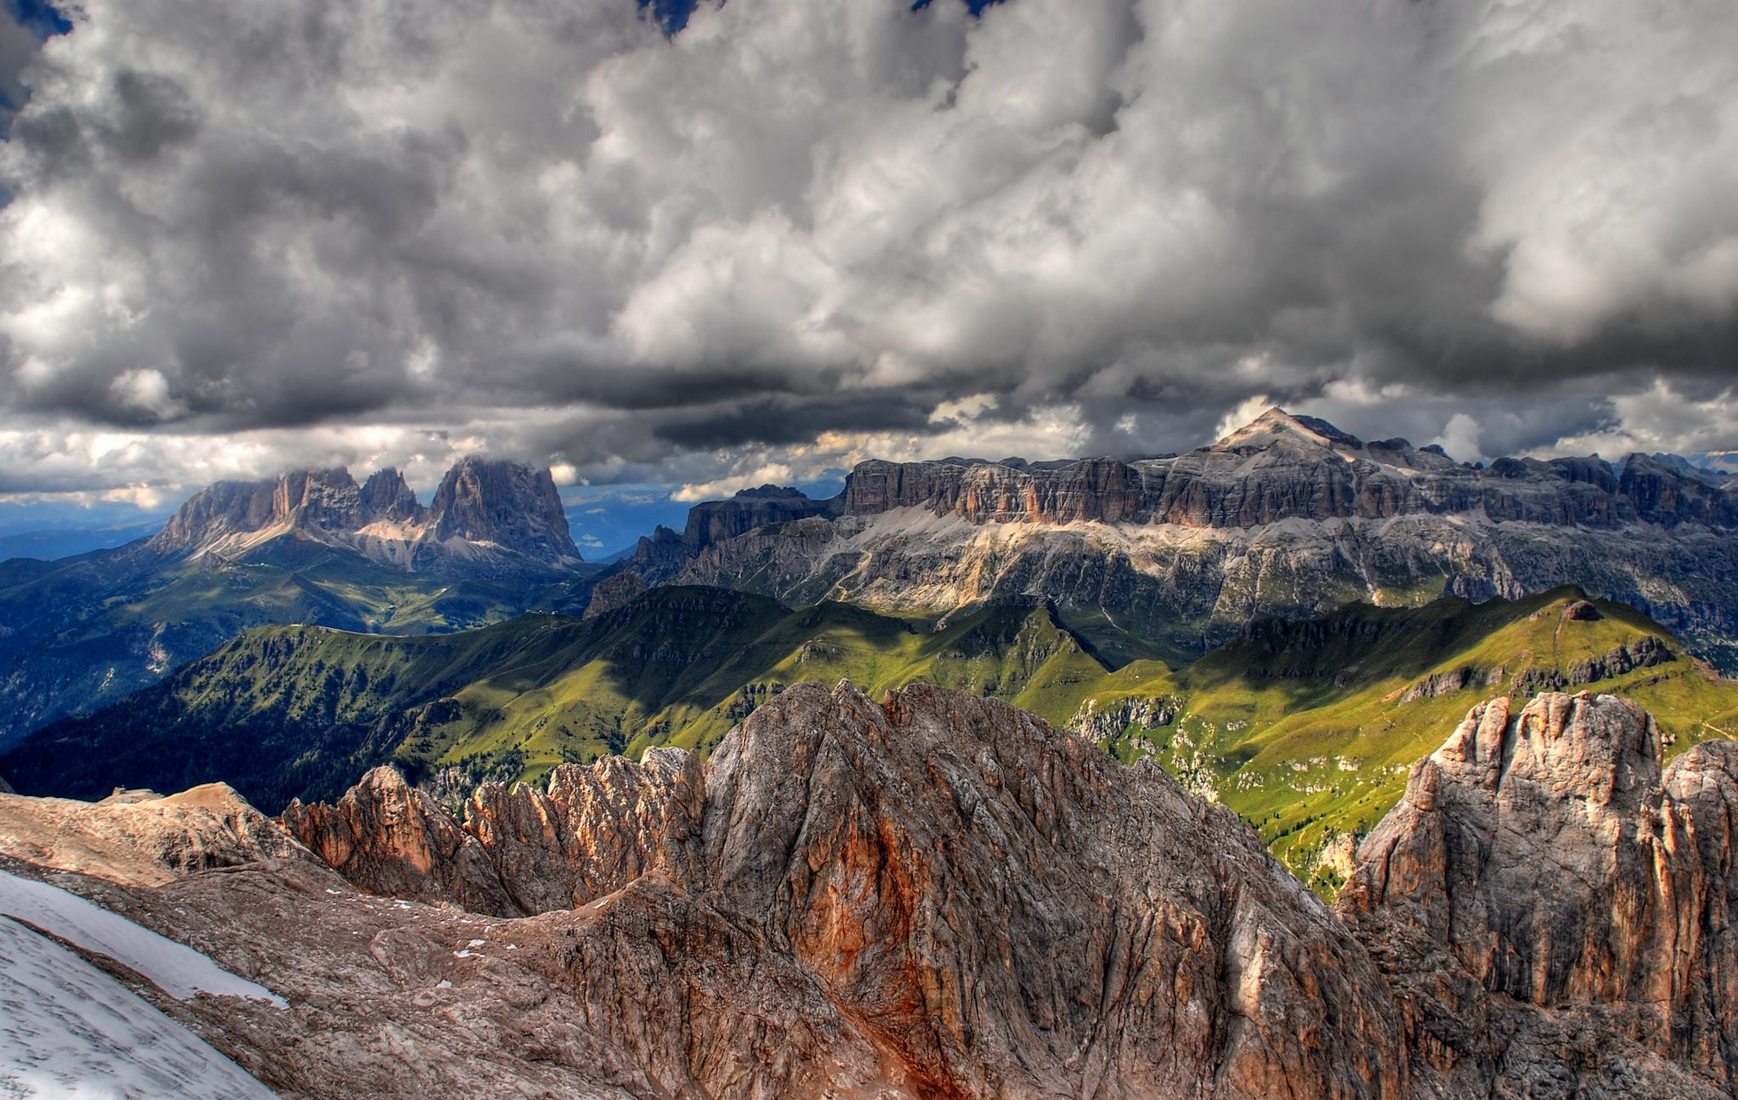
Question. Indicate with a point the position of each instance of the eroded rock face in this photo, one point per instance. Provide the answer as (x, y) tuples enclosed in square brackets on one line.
[(502, 504), (141, 837), (940, 896), (958, 896), (1541, 878), (391, 838)]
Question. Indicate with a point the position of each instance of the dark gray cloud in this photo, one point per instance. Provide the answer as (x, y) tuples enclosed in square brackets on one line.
[(798, 233)]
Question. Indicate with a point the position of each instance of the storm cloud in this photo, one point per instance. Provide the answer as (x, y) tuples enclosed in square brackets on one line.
[(798, 233)]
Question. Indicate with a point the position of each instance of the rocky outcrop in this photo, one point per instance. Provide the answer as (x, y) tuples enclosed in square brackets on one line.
[(312, 500), (1446, 683), (937, 896), (1101, 723), (1648, 651), (718, 521), (614, 593), (140, 837), (518, 851), (1553, 908), (484, 512), (1287, 516), (390, 838), (940, 896), (1283, 467)]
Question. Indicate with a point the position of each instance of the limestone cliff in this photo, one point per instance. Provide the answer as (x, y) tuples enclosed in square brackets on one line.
[(485, 514), (1286, 516)]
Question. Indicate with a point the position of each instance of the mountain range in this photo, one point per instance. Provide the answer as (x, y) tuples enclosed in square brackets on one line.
[(1289, 516), (1304, 728), (1053, 584), (979, 779), (1158, 558), (486, 518)]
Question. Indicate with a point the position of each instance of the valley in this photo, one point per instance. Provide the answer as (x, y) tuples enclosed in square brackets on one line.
[(1305, 729)]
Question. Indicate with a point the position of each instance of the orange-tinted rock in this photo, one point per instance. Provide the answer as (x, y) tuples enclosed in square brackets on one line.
[(976, 903), (141, 837)]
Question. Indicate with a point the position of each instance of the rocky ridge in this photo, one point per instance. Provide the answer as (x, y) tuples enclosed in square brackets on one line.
[(939, 895), (963, 902), (484, 512), (1287, 515), (140, 836)]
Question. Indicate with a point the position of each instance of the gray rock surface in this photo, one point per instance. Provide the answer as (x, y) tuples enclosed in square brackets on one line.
[(1554, 910), (940, 896), (954, 893), (1286, 516)]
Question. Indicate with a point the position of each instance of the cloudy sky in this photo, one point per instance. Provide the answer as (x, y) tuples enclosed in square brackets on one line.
[(797, 233)]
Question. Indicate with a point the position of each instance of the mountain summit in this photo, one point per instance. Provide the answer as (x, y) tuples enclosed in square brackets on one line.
[(486, 512)]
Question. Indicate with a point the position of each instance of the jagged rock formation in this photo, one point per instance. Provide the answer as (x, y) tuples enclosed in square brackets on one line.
[(940, 896), (484, 513), (1288, 516), (138, 836), (1648, 651), (956, 900), (1555, 910), (614, 593)]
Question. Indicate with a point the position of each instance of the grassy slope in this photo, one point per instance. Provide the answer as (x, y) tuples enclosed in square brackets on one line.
[(286, 711), (91, 630), (1305, 731)]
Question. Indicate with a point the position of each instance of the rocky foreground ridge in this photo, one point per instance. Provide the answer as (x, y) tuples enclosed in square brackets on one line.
[(1544, 886), (485, 512), (939, 895), (1288, 515)]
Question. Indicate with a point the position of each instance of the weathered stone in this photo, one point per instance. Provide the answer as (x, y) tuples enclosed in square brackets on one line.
[(486, 515), (1287, 516), (141, 837), (1541, 878), (983, 906), (941, 896)]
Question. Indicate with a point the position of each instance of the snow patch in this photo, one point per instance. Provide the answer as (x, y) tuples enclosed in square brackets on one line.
[(174, 968), (67, 1030)]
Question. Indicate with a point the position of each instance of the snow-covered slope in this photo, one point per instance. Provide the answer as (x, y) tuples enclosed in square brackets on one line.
[(177, 970), (67, 1030)]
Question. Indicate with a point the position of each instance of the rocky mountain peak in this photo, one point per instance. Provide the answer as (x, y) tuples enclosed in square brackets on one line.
[(505, 503), (387, 498), (1276, 426), (935, 895), (483, 509), (1595, 748), (1541, 870), (1289, 515)]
